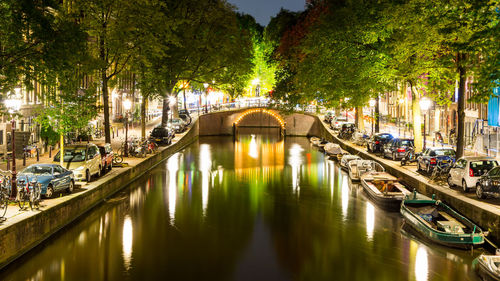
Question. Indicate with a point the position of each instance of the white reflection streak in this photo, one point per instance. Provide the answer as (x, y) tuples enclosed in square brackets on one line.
[(127, 237), (332, 178), (220, 169), (172, 167), (295, 160), (205, 166), (345, 197), (421, 265), (370, 220), (253, 150)]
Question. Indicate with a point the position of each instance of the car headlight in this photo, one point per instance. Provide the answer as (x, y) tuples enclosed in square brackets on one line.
[(79, 168)]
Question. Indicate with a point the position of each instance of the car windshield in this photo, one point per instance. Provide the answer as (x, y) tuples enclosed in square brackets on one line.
[(444, 152), (176, 121), (480, 167), (37, 170), (341, 118), (384, 136), (406, 143), (72, 155)]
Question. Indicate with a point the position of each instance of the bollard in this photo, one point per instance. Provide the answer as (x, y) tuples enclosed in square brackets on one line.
[(37, 155), (24, 157)]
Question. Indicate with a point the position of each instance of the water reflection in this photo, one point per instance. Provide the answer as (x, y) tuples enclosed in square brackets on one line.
[(172, 168), (421, 264), (127, 237), (370, 220), (295, 160), (205, 168)]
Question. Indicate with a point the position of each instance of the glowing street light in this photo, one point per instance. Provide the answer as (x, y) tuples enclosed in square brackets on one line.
[(425, 104)]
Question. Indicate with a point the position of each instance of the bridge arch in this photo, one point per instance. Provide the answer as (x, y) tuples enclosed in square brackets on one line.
[(271, 113)]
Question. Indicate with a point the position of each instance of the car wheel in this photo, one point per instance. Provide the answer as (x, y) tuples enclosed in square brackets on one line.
[(464, 186), (479, 191), (88, 176), (70, 187), (50, 191), (449, 181), (394, 156)]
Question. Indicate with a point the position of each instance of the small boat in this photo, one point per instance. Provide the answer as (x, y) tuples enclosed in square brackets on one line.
[(488, 267), (322, 144), (333, 149), (315, 141), (356, 168), (439, 223), (346, 159), (384, 190)]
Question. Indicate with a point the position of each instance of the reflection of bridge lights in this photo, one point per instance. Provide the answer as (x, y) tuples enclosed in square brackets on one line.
[(345, 197), (421, 265), (172, 167), (127, 237), (295, 160), (253, 150), (269, 112), (370, 220)]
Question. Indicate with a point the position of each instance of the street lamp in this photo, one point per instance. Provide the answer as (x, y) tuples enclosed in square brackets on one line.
[(372, 104), (13, 105), (425, 104), (205, 85), (127, 105)]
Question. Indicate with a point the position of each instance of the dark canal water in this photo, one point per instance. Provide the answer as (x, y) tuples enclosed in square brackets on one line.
[(257, 209)]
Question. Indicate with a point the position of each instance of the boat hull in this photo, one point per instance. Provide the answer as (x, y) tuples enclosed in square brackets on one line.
[(460, 241), (392, 204), (482, 270)]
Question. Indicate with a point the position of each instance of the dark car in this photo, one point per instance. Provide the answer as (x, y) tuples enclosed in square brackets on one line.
[(429, 158), (376, 142), (52, 177), (489, 184), (162, 135), (397, 148)]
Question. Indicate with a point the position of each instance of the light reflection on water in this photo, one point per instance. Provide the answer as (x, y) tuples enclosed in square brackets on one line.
[(261, 208)]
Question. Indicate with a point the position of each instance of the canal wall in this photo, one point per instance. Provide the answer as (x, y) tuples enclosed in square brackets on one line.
[(221, 123), (18, 236), (483, 214)]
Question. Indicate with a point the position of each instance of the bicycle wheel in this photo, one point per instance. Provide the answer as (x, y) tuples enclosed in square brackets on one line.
[(21, 200), (118, 159), (4, 203), (31, 196)]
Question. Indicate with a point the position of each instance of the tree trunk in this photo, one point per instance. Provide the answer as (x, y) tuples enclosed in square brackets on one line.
[(105, 98), (175, 106), (461, 106), (166, 108), (377, 114), (417, 118), (360, 124), (143, 117)]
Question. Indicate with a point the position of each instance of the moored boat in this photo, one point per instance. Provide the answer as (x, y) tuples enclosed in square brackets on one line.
[(384, 190), (356, 168), (315, 140), (488, 267), (346, 159), (439, 223), (333, 149)]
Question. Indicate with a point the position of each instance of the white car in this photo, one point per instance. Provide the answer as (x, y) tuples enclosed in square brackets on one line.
[(467, 171), (337, 122)]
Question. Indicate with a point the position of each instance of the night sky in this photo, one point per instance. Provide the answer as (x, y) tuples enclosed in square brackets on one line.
[(263, 10)]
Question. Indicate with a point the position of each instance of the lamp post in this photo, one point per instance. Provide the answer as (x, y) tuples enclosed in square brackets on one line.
[(205, 85), (13, 105), (425, 104), (127, 104), (372, 104)]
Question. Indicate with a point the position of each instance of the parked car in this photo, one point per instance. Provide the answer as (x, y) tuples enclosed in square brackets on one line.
[(83, 159), (489, 184), (162, 135), (177, 124), (329, 116), (107, 155), (337, 121), (468, 170), (52, 178), (377, 142), (429, 158), (397, 148)]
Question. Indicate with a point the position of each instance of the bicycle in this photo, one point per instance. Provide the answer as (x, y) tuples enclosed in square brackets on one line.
[(117, 159), (440, 170), (5, 186), (409, 157), (29, 192)]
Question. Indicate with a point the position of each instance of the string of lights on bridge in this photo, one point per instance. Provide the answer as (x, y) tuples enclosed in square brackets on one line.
[(269, 112)]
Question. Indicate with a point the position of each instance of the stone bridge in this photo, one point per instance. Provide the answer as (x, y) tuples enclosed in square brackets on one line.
[(229, 122)]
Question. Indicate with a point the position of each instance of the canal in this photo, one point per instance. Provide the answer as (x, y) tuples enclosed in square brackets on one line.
[(257, 209)]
